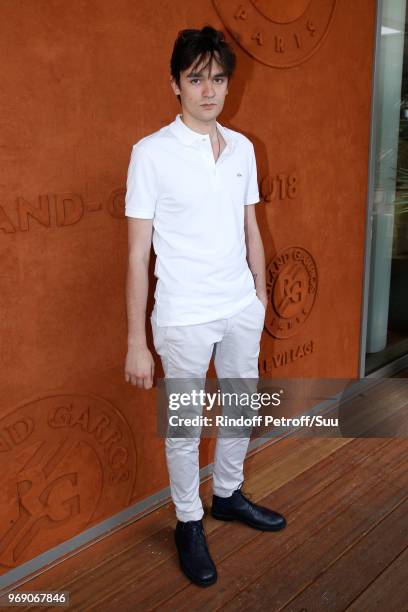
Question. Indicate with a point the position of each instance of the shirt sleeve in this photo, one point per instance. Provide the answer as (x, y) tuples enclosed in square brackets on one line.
[(252, 192), (141, 185)]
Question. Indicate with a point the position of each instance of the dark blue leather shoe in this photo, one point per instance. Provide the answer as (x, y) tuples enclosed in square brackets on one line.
[(237, 507), (195, 560)]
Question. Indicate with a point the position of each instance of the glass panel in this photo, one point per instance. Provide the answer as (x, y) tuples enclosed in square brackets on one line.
[(387, 325)]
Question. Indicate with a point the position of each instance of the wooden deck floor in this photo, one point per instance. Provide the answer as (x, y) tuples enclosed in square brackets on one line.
[(345, 546)]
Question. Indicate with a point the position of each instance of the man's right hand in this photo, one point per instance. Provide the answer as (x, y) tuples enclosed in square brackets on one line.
[(139, 367)]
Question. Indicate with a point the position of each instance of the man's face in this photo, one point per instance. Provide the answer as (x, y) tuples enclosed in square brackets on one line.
[(202, 91)]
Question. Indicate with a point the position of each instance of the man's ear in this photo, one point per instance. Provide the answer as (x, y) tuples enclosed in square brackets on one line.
[(174, 86)]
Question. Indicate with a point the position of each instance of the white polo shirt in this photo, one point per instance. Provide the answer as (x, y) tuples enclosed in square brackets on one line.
[(197, 207)]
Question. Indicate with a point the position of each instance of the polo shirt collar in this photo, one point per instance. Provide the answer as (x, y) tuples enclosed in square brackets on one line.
[(191, 137)]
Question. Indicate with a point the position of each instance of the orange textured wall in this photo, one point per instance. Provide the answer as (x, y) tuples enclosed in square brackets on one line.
[(81, 82)]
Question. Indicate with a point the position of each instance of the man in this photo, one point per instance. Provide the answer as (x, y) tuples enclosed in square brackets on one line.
[(195, 182)]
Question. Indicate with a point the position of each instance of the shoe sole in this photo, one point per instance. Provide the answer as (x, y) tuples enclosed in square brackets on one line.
[(220, 517)]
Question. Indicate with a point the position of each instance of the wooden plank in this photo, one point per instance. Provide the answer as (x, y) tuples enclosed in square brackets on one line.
[(277, 585), (388, 592), (150, 533), (315, 499), (376, 412), (296, 554), (361, 563)]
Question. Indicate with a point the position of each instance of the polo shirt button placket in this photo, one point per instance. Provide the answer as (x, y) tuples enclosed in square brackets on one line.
[(214, 169), (211, 160), (216, 176), (217, 170)]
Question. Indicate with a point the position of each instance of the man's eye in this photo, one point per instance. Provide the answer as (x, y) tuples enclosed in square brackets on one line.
[(193, 80), (220, 80)]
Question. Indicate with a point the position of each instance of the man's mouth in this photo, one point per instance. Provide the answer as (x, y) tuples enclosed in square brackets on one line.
[(208, 104)]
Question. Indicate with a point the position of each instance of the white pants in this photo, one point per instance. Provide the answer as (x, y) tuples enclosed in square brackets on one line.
[(185, 352)]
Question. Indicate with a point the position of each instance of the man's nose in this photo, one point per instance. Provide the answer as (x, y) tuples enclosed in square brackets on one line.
[(209, 89)]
